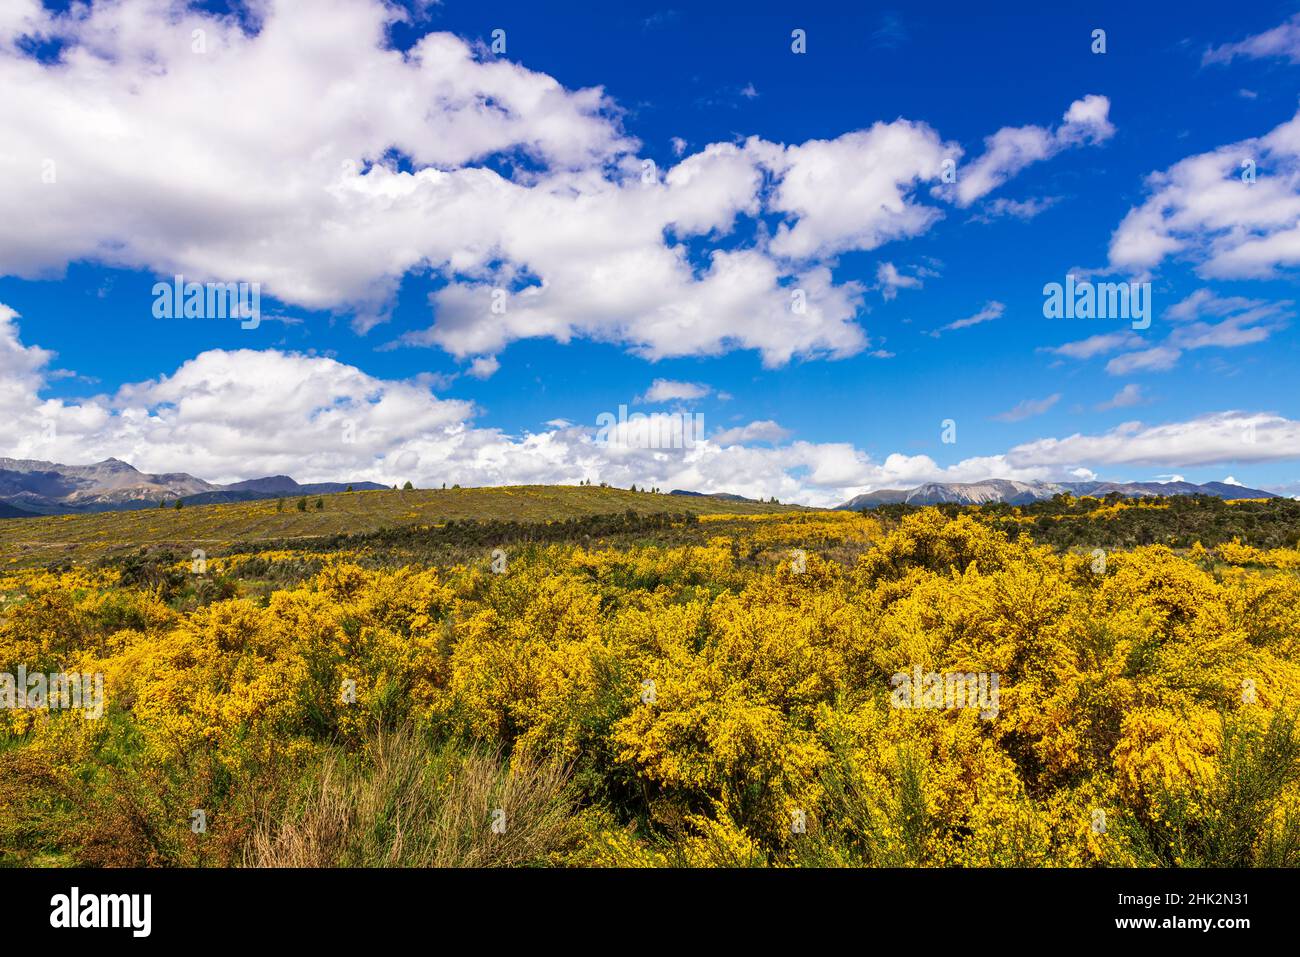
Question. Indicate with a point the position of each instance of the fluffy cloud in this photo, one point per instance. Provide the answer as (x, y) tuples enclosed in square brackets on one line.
[(662, 309), (1206, 440), (484, 367), (22, 368), (855, 192), (330, 207), (669, 390), (858, 191), (309, 416), (442, 158), (1234, 211), (1281, 41), (889, 280), (1011, 149), (153, 168), (232, 415)]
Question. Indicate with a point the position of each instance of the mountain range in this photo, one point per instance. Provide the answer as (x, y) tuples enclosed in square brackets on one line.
[(30, 487), (1023, 493), (726, 496)]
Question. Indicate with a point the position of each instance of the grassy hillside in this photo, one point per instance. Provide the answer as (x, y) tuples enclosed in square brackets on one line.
[(76, 538)]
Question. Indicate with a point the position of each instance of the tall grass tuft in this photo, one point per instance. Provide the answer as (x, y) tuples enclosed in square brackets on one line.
[(408, 803)]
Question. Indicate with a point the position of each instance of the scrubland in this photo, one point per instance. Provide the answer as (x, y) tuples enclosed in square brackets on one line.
[(656, 690)]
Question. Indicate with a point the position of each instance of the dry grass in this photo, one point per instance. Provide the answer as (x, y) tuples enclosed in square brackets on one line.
[(408, 804)]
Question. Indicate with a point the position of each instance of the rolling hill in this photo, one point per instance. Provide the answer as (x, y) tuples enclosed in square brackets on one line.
[(30, 541)]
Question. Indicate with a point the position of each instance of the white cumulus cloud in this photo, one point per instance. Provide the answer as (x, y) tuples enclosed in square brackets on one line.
[(1234, 211)]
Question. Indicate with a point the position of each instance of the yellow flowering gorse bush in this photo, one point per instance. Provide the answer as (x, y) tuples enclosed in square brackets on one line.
[(703, 698)]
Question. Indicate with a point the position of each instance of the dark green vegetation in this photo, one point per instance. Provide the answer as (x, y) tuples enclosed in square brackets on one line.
[(271, 563), (492, 533), (1177, 521)]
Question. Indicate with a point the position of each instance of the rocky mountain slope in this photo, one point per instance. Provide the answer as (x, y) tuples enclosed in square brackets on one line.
[(1022, 493), (28, 486)]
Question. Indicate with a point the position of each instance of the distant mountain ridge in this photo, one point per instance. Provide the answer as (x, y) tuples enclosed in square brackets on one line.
[(1023, 493), (726, 496), (30, 487), (33, 487)]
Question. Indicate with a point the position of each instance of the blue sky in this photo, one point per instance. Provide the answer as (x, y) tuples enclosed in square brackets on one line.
[(816, 170)]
